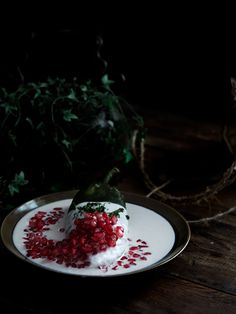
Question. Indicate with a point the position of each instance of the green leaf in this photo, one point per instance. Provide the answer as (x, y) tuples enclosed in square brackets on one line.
[(12, 137), (127, 155), (84, 88), (66, 143), (43, 85), (29, 120), (106, 82), (37, 93), (40, 125), (63, 114), (72, 95), (9, 108), (68, 115), (19, 180), (13, 189)]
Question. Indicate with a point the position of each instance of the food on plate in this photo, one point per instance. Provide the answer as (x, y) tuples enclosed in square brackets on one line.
[(97, 223), (93, 232)]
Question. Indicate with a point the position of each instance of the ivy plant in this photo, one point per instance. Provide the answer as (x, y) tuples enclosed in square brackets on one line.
[(57, 134)]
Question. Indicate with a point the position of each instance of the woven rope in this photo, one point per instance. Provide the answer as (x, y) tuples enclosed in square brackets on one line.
[(228, 177)]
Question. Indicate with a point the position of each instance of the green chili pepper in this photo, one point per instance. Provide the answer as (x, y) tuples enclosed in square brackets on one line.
[(99, 192)]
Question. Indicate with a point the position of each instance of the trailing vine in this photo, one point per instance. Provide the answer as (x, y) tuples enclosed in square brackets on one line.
[(227, 178), (56, 134)]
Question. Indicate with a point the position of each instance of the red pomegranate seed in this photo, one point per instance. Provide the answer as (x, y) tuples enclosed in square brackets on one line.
[(126, 266), (108, 229), (98, 235), (115, 267), (114, 220), (111, 243), (74, 251), (103, 247), (105, 216), (143, 258), (57, 208), (136, 255), (119, 231), (147, 253), (133, 248), (123, 258), (74, 242), (92, 234), (101, 223), (65, 250)]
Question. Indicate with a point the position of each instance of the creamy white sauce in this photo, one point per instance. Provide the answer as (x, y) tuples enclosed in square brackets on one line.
[(112, 254)]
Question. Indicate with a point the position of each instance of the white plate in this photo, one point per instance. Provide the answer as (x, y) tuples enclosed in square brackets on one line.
[(164, 231)]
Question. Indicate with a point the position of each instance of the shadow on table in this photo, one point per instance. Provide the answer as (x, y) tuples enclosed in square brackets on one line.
[(34, 290)]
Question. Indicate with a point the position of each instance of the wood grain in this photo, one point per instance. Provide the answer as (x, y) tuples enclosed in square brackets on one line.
[(202, 279), (37, 291), (210, 258)]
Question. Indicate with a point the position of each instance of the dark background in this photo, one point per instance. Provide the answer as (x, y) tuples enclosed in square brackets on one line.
[(172, 62), (176, 63)]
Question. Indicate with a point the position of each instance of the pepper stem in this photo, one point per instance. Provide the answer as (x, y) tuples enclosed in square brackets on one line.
[(110, 174)]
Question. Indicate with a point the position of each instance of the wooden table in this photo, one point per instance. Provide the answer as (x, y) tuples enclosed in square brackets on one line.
[(202, 279)]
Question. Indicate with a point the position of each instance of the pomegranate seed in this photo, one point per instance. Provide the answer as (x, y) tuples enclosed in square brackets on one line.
[(65, 250), (103, 247), (111, 243), (115, 267), (119, 231), (143, 258), (126, 266), (123, 258), (133, 248), (98, 236), (105, 216), (108, 229), (74, 242), (93, 233), (114, 220), (55, 252), (147, 253), (74, 251), (101, 223), (87, 248), (93, 223), (136, 255), (90, 215)]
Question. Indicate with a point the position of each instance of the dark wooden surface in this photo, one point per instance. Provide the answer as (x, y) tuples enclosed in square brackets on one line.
[(202, 279)]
